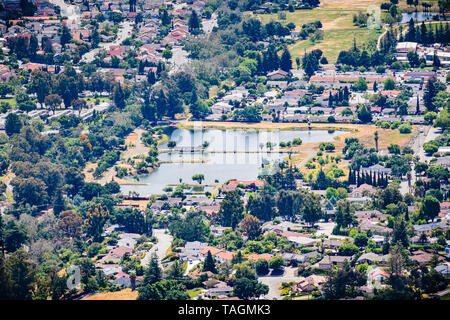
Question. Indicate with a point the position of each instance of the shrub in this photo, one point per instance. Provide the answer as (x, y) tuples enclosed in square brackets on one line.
[(405, 128)]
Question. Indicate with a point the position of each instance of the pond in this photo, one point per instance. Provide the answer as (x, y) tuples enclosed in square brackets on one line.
[(226, 154), (421, 16)]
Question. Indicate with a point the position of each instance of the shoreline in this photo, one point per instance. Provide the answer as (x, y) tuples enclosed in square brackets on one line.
[(300, 126)]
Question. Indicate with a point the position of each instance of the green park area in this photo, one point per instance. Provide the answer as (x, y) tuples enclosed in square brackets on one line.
[(337, 26)]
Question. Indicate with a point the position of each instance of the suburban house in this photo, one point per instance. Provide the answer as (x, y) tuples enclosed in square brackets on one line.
[(191, 251), (310, 283), (277, 74), (328, 262)]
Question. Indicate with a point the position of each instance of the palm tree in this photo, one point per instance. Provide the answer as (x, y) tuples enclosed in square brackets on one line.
[(376, 140)]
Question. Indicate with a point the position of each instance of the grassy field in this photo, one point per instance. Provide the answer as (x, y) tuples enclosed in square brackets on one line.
[(363, 4), (334, 41), (337, 24), (125, 294), (11, 101)]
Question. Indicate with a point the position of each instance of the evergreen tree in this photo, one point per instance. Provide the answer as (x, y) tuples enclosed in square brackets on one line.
[(417, 106), (58, 203), (429, 95), (411, 33), (209, 264), (286, 61), (194, 23), (231, 210), (119, 96), (153, 273)]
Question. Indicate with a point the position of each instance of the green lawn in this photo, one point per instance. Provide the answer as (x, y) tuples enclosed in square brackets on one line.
[(193, 293), (337, 25), (101, 99), (11, 101), (334, 41)]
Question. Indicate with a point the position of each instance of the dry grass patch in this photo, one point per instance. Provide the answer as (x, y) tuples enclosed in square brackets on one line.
[(125, 294)]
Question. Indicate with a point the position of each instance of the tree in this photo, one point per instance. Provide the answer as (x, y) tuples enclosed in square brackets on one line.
[(430, 207), (91, 190), (32, 191), (231, 209), (262, 206), (58, 203), (199, 109), (443, 121), (198, 177), (167, 53), (13, 124), (14, 236), (192, 228), (210, 263), (286, 60), (176, 271), (311, 208), (69, 224), (430, 116), (348, 249), (389, 84), (342, 282), (19, 276), (361, 240), (79, 104), (344, 214), (5, 89), (310, 64), (251, 226), (400, 233), (376, 140), (153, 273), (96, 217), (262, 267), (53, 101), (276, 263), (430, 93), (248, 286), (360, 84), (119, 96), (65, 35), (163, 290), (194, 23), (364, 114)]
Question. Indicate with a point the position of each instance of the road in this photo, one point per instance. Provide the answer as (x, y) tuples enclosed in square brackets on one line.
[(124, 32), (164, 242), (429, 133), (179, 59)]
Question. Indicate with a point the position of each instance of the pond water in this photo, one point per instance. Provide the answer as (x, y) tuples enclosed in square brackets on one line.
[(228, 154), (421, 16)]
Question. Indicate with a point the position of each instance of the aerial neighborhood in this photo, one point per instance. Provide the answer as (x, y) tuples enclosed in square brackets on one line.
[(224, 150)]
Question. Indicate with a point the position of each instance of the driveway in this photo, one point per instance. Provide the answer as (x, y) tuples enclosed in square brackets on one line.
[(164, 242), (274, 282)]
